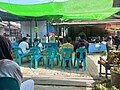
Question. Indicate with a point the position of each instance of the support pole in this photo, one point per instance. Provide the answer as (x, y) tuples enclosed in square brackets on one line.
[(36, 26), (47, 24), (30, 33)]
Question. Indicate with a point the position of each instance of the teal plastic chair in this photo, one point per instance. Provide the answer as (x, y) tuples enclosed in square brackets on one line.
[(19, 55), (81, 54), (35, 56), (32, 56), (57, 53), (67, 56), (38, 56), (50, 56), (9, 83)]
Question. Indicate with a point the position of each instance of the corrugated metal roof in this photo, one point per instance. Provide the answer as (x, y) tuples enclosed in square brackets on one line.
[(10, 17), (88, 22)]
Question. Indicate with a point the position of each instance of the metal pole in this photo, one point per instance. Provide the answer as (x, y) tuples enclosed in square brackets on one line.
[(36, 26), (63, 32), (47, 29), (30, 33), (58, 34)]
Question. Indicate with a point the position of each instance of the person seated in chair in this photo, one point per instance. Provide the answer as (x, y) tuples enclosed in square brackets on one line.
[(81, 44), (24, 45), (67, 45), (9, 68)]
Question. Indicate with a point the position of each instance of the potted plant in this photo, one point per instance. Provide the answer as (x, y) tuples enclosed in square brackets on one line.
[(115, 70)]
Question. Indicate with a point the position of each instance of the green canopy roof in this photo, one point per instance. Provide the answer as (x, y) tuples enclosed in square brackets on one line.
[(68, 9)]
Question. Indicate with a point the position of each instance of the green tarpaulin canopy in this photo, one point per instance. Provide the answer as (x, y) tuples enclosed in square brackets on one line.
[(67, 9)]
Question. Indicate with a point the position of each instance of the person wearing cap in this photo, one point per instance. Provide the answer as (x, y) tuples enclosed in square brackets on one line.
[(109, 44)]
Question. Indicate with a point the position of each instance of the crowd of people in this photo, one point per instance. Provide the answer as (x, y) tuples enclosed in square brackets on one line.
[(112, 42), (9, 68)]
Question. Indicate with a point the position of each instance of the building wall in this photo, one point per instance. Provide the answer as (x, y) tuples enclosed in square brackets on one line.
[(42, 28)]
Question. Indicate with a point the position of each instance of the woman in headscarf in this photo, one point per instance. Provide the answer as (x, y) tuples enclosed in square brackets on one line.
[(9, 68), (5, 48)]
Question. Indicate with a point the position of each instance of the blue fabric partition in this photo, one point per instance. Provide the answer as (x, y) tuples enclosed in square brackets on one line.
[(14, 45), (96, 47), (49, 44), (50, 29)]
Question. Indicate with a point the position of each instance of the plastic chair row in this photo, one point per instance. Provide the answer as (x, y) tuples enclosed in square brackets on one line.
[(81, 54), (53, 52), (34, 56)]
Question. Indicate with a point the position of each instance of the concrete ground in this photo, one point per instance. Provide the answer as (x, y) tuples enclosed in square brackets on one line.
[(43, 87), (58, 79)]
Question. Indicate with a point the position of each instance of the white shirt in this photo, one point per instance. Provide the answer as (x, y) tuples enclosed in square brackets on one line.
[(46, 39), (40, 45), (24, 45)]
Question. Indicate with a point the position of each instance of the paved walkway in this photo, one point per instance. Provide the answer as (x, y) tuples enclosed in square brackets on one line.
[(58, 79), (43, 87)]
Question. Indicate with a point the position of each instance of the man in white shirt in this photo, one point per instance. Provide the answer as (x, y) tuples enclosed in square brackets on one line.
[(24, 45)]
